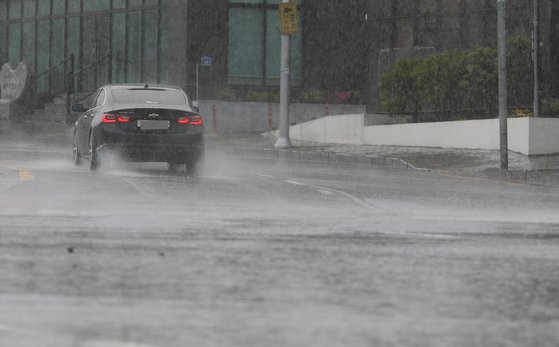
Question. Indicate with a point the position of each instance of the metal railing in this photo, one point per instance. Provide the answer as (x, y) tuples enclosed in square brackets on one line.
[(61, 80), (91, 76), (54, 81)]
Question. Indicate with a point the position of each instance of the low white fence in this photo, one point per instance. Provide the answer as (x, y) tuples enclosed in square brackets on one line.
[(529, 136)]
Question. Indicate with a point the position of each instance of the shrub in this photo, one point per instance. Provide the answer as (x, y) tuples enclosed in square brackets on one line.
[(453, 80), (520, 74), (550, 107), (313, 96), (399, 90), (262, 96), (479, 84), (439, 79)]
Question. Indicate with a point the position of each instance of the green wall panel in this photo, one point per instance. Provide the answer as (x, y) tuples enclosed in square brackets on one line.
[(44, 8), (29, 42), (74, 6), (97, 5), (245, 46), (29, 9), (14, 43), (15, 9), (74, 40), (150, 46), (119, 45), (134, 46), (58, 6)]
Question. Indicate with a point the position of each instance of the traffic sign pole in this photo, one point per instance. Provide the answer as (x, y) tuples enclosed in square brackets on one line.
[(285, 78)]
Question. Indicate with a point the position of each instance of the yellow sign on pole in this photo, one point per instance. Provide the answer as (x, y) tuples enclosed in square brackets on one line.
[(288, 18)]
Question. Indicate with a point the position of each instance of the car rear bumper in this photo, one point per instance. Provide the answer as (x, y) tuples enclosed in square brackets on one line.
[(176, 148)]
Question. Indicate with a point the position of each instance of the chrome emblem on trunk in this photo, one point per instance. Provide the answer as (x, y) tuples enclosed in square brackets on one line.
[(153, 115)]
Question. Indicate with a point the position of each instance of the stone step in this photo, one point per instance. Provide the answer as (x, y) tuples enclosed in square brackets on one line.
[(47, 115)]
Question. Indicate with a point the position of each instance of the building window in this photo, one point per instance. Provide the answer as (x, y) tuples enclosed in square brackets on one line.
[(254, 44), (44, 33)]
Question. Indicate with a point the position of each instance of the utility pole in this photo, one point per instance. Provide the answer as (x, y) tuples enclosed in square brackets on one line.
[(503, 97), (285, 80), (535, 58)]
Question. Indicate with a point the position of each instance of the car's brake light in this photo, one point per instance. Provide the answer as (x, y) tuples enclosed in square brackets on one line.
[(196, 120), (192, 120), (114, 118), (123, 119), (108, 118)]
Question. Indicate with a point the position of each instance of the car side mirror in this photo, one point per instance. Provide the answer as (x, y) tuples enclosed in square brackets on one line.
[(78, 108)]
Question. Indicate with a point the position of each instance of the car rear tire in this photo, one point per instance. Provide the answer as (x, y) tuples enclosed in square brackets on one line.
[(93, 155), (76, 153)]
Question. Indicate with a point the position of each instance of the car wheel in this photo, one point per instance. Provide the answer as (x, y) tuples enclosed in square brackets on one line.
[(93, 155), (76, 153)]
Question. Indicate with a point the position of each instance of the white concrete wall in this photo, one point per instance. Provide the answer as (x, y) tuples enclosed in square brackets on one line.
[(346, 129), (530, 136), (544, 136), (240, 117)]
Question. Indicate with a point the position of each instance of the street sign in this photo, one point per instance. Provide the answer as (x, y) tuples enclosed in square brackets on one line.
[(206, 61), (288, 18)]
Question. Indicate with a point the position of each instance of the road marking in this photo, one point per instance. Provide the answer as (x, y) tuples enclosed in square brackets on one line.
[(295, 183), (115, 344), (264, 176), (24, 174)]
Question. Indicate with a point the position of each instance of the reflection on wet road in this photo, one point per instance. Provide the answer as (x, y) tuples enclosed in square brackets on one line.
[(264, 253)]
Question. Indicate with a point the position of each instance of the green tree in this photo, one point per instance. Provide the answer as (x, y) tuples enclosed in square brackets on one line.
[(480, 83), (451, 80), (520, 74), (399, 92), (439, 77)]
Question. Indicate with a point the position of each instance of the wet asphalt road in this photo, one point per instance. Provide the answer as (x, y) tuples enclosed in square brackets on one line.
[(264, 253)]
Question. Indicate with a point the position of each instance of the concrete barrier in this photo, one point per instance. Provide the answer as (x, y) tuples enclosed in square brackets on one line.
[(529, 136), (227, 117)]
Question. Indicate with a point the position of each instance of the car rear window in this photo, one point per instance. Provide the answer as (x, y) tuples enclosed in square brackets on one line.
[(149, 96)]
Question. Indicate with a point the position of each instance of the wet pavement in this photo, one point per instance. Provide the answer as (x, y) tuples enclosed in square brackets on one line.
[(265, 252), (53, 139)]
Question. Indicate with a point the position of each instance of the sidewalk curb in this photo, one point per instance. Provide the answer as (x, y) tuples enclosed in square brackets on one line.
[(324, 157), (522, 177)]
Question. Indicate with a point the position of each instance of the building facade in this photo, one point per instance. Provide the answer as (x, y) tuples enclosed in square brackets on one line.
[(236, 43)]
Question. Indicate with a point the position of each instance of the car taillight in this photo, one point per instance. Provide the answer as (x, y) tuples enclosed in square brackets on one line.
[(114, 118), (108, 118), (192, 120), (123, 119)]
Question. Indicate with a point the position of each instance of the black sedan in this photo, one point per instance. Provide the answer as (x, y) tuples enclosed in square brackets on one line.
[(144, 123)]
